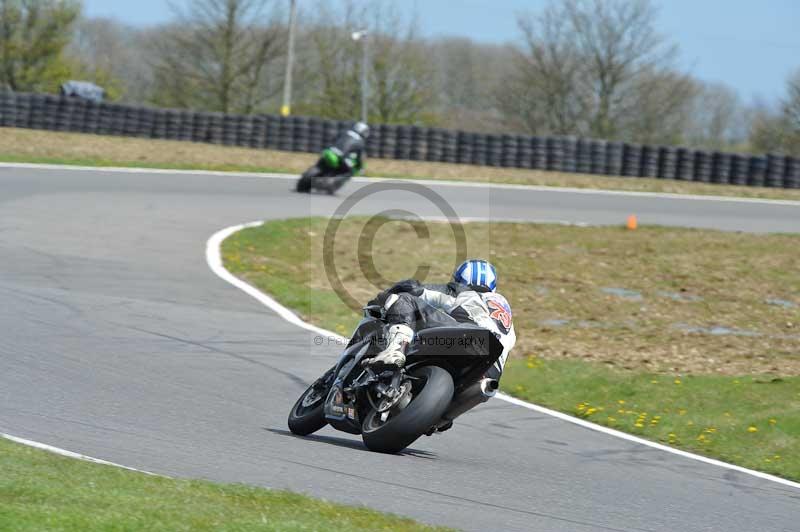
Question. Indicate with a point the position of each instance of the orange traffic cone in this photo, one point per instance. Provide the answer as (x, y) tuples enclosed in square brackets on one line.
[(632, 222)]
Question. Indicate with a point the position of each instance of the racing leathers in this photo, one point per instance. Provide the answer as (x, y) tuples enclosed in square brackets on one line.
[(410, 307)]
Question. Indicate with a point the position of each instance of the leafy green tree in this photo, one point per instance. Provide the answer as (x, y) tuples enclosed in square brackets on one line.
[(33, 36)]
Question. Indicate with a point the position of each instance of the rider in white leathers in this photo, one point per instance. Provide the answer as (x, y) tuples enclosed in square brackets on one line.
[(469, 298)]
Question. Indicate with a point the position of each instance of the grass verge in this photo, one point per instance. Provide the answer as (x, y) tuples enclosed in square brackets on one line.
[(43, 491), (34, 146), (688, 337)]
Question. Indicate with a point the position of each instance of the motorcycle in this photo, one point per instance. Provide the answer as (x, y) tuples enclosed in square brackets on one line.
[(327, 175), (392, 407)]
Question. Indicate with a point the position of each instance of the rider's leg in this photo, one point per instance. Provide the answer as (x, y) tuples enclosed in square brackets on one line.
[(401, 312), (405, 314)]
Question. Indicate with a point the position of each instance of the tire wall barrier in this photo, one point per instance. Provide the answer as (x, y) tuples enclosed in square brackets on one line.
[(311, 135)]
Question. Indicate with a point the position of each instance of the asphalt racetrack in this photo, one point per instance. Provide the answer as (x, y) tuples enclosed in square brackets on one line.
[(118, 342)]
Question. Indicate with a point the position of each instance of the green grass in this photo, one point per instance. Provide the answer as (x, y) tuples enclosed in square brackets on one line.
[(747, 420), (609, 348), (43, 491)]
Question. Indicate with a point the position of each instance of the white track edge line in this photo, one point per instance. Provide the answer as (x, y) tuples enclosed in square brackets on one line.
[(428, 182), (214, 260), (70, 454)]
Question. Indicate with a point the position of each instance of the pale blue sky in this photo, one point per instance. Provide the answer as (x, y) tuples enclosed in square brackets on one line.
[(750, 45)]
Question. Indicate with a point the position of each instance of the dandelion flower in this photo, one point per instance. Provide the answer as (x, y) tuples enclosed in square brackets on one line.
[(638, 425), (752, 429), (621, 401), (677, 381), (772, 421)]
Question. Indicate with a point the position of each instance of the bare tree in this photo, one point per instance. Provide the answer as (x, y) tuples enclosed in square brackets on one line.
[(401, 80), (599, 68), (33, 35), (779, 131), (216, 55), (541, 93)]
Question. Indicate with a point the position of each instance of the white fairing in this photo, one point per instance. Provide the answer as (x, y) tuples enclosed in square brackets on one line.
[(489, 310)]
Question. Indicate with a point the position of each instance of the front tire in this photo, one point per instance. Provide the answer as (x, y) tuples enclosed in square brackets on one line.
[(304, 183), (308, 413), (432, 394)]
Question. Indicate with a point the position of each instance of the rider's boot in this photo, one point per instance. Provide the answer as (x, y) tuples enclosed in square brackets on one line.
[(398, 337)]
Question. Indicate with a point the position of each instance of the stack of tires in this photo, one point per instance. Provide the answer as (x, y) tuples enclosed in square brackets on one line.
[(583, 156), (570, 151), (555, 153), (757, 171), (614, 158), (631, 160), (720, 168), (791, 176), (667, 162), (649, 161)]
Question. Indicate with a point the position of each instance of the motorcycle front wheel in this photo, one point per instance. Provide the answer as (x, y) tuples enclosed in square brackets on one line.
[(431, 394), (308, 413)]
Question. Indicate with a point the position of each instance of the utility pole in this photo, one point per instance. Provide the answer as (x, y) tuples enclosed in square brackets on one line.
[(362, 36), (286, 108)]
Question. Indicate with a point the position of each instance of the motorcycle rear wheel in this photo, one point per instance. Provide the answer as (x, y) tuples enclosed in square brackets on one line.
[(432, 394)]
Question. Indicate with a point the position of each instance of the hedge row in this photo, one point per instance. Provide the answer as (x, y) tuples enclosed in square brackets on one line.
[(303, 134)]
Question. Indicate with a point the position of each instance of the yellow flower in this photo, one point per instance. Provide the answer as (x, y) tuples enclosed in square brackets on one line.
[(591, 411), (677, 381), (653, 382), (701, 437), (611, 419), (752, 429), (621, 401), (620, 411), (638, 425), (773, 421)]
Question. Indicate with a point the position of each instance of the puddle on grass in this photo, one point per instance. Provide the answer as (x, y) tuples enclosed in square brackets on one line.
[(715, 330), (785, 303), (624, 293), (677, 296)]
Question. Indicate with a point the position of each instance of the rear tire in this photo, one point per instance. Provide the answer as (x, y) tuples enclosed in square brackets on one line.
[(425, 409), (307, 419)]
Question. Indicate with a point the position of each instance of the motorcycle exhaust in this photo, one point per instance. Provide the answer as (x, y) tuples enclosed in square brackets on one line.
[(470, 397)]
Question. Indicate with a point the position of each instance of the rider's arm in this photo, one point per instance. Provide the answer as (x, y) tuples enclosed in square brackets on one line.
[(437, 299)]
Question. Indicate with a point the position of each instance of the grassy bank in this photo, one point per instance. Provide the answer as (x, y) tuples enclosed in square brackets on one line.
[(42, 491), (687, 337), (22, 145)]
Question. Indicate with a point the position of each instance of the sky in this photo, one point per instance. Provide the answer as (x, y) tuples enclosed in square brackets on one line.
[(752, 46)]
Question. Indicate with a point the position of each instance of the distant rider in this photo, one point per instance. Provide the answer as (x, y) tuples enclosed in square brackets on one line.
[(469, 298), (339, 162)]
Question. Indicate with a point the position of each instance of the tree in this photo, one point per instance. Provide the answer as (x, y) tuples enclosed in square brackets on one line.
[(33, 35), (780, 131), (541, 93), (401, 80), (216, 57), (594, 67)]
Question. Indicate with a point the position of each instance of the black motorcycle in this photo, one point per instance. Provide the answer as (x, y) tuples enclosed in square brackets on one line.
[(391, 407)]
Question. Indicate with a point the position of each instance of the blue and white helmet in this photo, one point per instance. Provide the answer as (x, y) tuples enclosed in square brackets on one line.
[(476, 272)]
